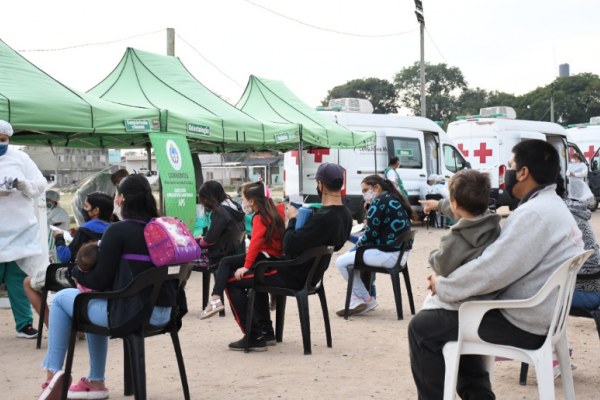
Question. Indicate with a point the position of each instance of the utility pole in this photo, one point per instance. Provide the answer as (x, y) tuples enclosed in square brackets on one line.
[(421, 19), (171, 42), (552, 102)]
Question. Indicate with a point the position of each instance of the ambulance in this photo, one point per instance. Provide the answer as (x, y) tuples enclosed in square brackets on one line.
[(421, 145), (587, 137), (486, 141)]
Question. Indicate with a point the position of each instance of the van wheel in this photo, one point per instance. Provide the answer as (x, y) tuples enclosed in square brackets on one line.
[(592, 205)]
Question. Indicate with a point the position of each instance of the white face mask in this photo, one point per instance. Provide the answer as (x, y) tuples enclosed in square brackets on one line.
[(247, 207), (369, 196), (117, 211)]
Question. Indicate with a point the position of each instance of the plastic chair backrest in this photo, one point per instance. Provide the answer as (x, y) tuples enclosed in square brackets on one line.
[(403, 239), (434, 197), (51, 284)]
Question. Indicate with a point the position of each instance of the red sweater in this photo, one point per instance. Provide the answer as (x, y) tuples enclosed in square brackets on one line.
[(259, 229)]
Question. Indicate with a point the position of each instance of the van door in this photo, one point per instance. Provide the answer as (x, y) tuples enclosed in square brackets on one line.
[(409, 147), (453, 160), (594, 175)]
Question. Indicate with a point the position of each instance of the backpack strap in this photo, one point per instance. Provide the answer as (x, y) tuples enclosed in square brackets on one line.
[(136, 257)]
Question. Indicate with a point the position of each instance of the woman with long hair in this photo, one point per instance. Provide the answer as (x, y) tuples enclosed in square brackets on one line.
[(267, 229), (115, 270), (388, 216)]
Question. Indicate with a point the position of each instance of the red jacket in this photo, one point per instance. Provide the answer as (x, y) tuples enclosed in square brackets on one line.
[(259, 229)]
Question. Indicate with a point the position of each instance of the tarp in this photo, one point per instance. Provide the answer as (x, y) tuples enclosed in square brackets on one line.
[(211, 124), (269, 100), (43, 111)]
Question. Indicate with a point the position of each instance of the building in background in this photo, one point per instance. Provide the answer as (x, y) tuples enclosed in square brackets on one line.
[(563, 70), (69, 165), (136, 164), (270, 169)]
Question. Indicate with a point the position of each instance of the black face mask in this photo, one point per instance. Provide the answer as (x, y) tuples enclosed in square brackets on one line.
[(86, 215), (510, 180), (319, 193)]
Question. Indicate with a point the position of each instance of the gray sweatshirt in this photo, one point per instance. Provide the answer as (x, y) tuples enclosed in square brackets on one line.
[(536, 239)]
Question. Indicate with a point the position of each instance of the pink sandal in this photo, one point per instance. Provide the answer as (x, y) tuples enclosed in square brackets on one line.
[(81, 390), (51, 389)]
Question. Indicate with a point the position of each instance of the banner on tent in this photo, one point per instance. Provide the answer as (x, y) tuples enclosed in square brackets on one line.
[(176, 171)]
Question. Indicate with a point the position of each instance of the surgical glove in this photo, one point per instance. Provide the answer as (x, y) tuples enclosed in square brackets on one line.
[(24, 186)]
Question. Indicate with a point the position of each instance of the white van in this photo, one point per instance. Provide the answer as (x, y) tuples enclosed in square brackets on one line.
[(587, 137), (415, 141), (487, 139)]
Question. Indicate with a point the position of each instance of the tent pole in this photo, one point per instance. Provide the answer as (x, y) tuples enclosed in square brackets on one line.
[(300, 176)]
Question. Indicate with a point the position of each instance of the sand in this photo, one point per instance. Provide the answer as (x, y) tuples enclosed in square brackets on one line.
[(369, 358)]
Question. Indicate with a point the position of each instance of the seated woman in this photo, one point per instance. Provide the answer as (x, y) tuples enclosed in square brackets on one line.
[(112, 273), (587, 292), (97, 211), (226, 217), (388, 217)]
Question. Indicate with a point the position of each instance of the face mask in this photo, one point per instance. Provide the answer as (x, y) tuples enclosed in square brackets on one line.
[(319, 193), (118, 211), (49, 206), (86, 215), (510, 180), (3, 148), (369, 196), (247, 208)]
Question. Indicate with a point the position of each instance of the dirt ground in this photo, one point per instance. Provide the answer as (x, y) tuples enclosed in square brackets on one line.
[(369, 358)]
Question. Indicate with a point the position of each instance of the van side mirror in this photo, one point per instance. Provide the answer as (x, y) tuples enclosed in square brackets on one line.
[(467, 165)]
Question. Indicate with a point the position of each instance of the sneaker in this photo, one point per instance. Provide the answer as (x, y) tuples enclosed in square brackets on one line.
[(258, 344), (270, 338), (27, 333), (356, 305), (371, 305), (51, 389), (81, 390)]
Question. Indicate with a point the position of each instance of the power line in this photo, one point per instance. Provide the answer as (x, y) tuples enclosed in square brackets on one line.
[(427, 30), (91, 44), (326, 29), (210, 62)]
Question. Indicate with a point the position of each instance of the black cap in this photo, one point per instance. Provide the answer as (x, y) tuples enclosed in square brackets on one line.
[(330, 174)]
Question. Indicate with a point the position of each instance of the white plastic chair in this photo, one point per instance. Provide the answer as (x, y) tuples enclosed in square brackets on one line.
[(471, 313)]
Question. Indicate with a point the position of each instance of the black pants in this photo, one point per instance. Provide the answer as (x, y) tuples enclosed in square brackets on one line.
[(430, 330), (227, 268)]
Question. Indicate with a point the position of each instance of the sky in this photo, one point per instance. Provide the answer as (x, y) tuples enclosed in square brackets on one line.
[(512, 46)]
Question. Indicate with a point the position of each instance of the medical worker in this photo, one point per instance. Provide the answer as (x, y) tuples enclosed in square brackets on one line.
[(57, 216), (19, 230), (577, 171), (103, 182)]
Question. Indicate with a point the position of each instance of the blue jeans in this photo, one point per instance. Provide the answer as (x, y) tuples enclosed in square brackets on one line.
[(61, 313), (587, 300)]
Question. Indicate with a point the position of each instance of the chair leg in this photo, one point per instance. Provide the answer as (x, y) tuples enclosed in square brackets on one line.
[(69, 363), (489, 363), (280, 317), (564, 361), (323, 300), (349, 290), (596, 315), (205, 288), (411, 301), (180, 364), (42, 316), (137, 354), (302, 298), (249, 312), (127, 371), (395, 274), (545, 375), (523, 376), (452, 359)]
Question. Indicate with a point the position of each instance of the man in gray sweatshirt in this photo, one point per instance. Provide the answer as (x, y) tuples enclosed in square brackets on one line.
[(536, 239)]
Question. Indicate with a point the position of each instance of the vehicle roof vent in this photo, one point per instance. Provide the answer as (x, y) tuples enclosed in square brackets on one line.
[(352, 105), (498, 112)]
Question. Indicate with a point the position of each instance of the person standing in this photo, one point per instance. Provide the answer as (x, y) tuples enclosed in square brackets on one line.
[(19, 230), (102, 182), (57, 216), (392, 175), (577, 171)]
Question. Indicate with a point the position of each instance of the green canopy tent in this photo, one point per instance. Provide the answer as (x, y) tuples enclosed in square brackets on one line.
[(43, 111), (211, 124)]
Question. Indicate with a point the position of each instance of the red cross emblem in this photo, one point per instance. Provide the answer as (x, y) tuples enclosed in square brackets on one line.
[(319, 154), (482, 153), (295, 155), (590, 153), (463, 151)]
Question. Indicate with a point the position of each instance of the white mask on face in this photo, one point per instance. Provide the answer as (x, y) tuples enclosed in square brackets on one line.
[(369, 196), (247, 207)]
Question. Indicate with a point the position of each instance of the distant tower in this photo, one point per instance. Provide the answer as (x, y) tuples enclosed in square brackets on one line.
[(563, 70)]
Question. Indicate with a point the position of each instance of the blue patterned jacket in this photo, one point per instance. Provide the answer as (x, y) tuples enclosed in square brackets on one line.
[(386, 220)]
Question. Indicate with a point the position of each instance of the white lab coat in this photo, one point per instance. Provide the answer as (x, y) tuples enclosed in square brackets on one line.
[(59, 217), (98, 183), (425, 190), (441, 189), (578, 189), (19, 229)]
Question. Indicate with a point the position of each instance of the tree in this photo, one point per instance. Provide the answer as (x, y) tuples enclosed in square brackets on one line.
[(443, 86), (471, 101), (380, 92)]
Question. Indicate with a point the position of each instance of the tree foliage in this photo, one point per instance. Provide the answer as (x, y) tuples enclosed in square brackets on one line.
[(380, 92)]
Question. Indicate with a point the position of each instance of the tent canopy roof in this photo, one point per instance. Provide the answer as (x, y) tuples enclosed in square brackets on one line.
[(269, 100), (211, 124), (43, 111)]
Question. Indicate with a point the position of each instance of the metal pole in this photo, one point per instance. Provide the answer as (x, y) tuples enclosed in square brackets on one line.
[(171, 42), (300, 175), (552, 102), (149, 156), (423, 107)]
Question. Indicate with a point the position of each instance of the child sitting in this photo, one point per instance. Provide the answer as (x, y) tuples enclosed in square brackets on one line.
[(474, 230), (267, 230), (87, 256)]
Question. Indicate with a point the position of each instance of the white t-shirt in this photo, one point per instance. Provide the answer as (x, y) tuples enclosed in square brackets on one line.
[(392, 176)]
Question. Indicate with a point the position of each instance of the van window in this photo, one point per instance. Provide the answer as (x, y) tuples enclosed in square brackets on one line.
[(408, 150), (453, 159)]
